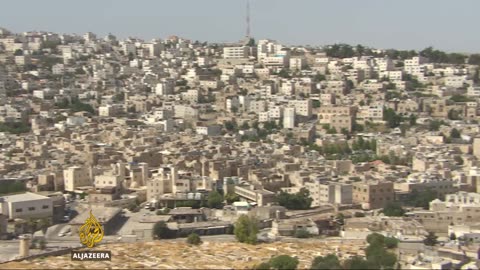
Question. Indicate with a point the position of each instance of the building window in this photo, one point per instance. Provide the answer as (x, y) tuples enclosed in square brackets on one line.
[(45, 207), (18, 210), (31, 208)]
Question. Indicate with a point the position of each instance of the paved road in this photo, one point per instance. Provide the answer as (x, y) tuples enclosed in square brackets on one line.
[(9, 249)]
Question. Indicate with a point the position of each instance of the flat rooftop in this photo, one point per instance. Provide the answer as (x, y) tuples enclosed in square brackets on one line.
[(28, 196), (102, 214)]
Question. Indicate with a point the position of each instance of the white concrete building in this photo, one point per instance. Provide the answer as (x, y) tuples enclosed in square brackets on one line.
[(298, 63), (235, 52), (302, 107), (27, 205), (289, 118), (75, 177), (165, 87)]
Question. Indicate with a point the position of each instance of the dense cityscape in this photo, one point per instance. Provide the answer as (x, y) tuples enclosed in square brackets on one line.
[(247, 155)]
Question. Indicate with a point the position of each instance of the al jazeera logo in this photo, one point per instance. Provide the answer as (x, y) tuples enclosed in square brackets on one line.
[(91, 232)]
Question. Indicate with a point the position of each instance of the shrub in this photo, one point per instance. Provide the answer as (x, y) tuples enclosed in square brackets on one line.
[(194, 239), (302, 233), (330, 261), (262, 266), (161, 231), (284, 262)]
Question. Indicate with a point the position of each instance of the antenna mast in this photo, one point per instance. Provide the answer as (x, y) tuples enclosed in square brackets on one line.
[(248, 18)]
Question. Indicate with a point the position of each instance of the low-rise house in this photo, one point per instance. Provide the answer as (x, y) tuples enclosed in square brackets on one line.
[(287, 227), (26, 205)]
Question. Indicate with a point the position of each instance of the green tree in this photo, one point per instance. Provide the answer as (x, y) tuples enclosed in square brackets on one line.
[(393, 209), (319, 78), (377, 255), (18, 52), (460, 98), (231, 125), (130, 56), (391, 242), (340, 51), (329, 262), (357, 262), (215, 200), (194, 239), (381, 259), (299, 201), (375, 239), (283, 262), (284, 73), (474, 59), (454, 133), (119, 97), (131, 206), (32, 225), (245, 126), (43, 224), (435, 124), (341, 218), (161, 231), (390, 116), (412, 120), (231, 197), (246, 230), (430, 239), (459, 160), (14, 127), (301, 233), (453, 115), (80, 71), (421, 198)]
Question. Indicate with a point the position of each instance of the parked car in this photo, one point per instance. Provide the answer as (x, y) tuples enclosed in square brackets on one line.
[(65, 231)]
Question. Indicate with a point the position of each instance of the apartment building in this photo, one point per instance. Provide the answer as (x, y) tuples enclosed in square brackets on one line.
[(297, 63), (75, 177), (329, 192), (455, 81), (339, 117), (289, 117), (373, 194), (261, 197), (370, 113), (162, 182), (235, 52), (257, 106), (165, 87), (461, 208), (302, 107), (440, 187), (209, 130)]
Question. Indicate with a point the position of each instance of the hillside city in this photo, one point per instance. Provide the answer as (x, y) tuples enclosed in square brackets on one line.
[(283, 157)]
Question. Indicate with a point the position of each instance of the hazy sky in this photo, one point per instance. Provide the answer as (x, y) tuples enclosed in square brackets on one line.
[(403, 24)]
